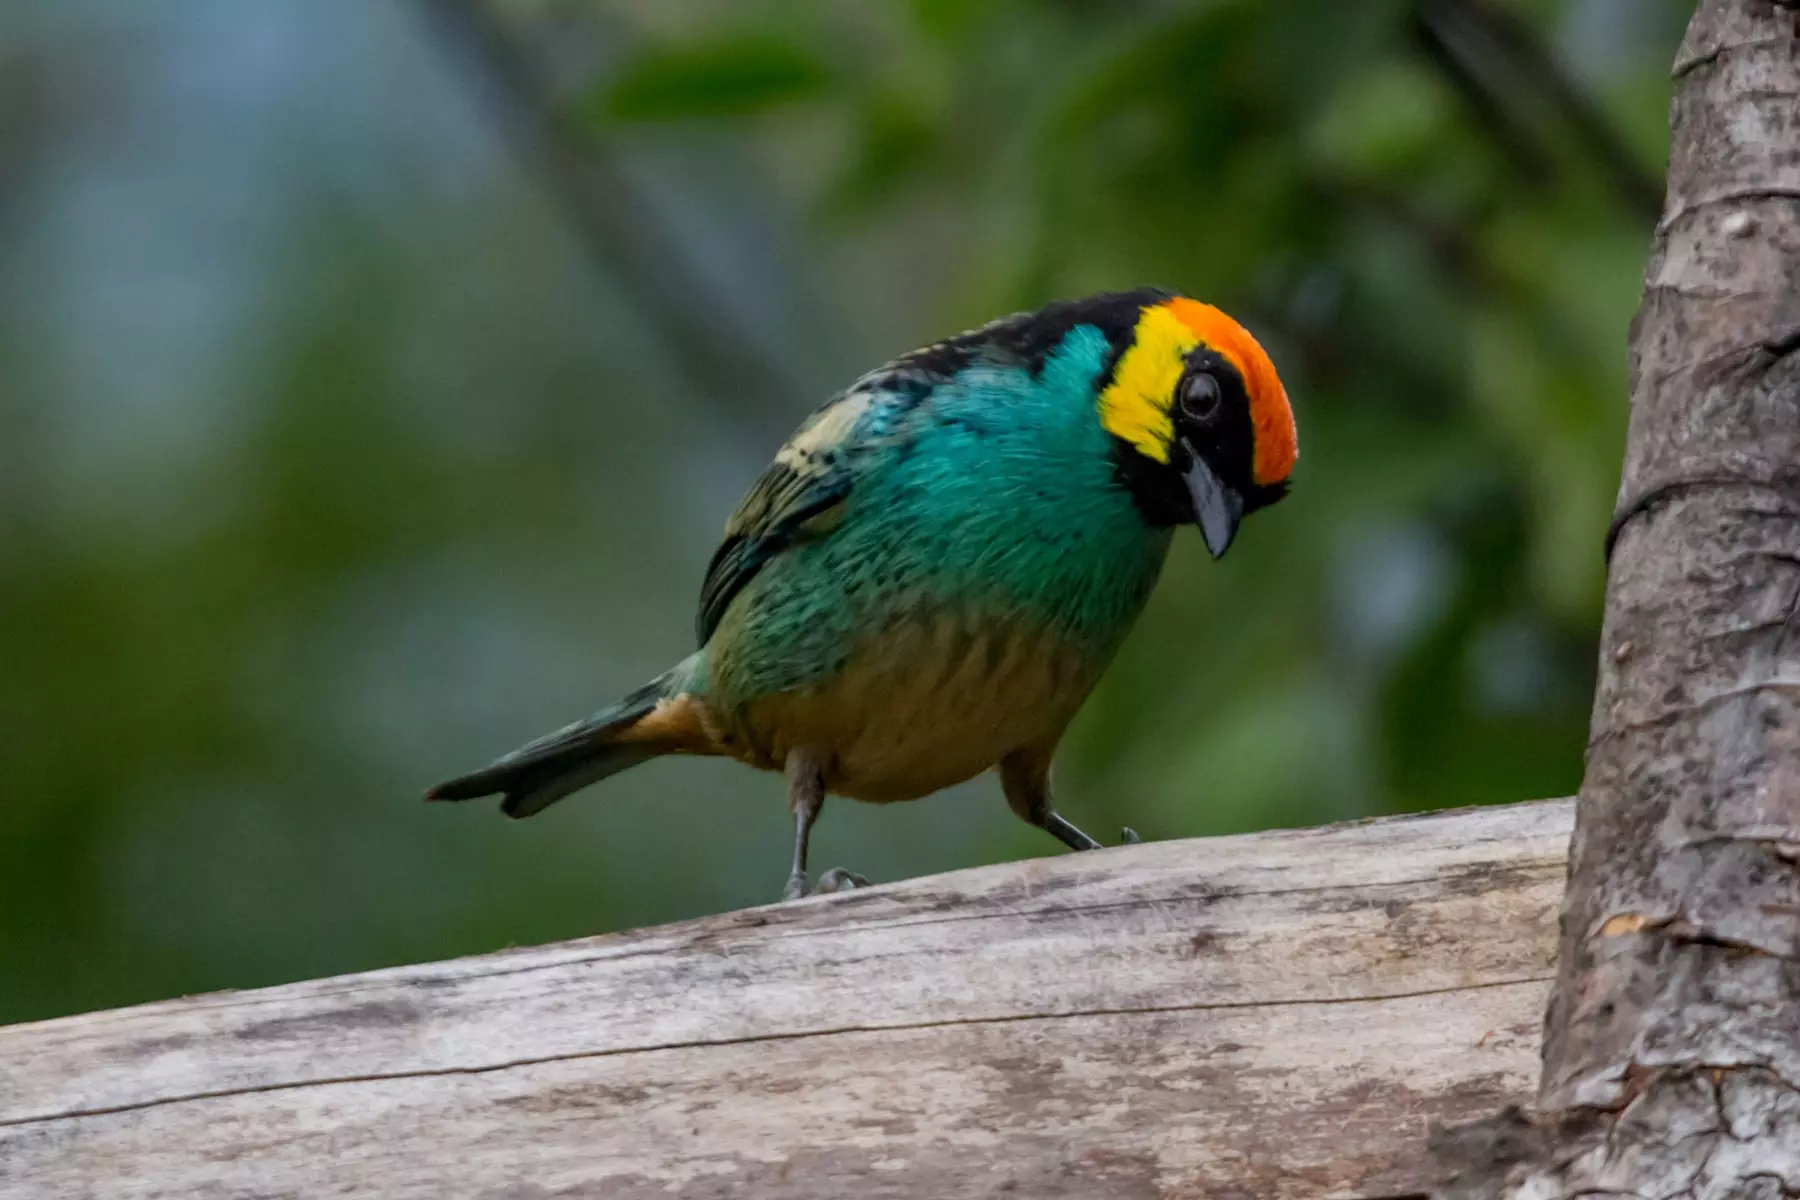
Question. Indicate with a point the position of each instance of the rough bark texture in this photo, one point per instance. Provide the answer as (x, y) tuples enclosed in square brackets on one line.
[(1672, 1042), (1260, 1018)]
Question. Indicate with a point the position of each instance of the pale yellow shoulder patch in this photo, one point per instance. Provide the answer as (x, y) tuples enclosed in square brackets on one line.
[(827, 430), (1135, 405)]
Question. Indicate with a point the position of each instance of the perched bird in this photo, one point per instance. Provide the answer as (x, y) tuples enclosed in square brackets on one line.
[(938, 566)]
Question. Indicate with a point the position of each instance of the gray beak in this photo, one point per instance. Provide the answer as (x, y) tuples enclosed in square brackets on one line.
[(1217, 508)]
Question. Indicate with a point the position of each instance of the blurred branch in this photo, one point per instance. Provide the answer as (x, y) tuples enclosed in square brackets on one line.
[(1490, 55), (706, 340), (26, 116), (1453, 246), (1457, 251), (43, 91), (1437, 41)]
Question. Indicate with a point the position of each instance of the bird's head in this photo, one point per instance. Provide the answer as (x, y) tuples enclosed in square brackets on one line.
[(1204, 432)]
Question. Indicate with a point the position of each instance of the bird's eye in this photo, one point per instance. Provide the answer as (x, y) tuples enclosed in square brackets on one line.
[(1201, 397)]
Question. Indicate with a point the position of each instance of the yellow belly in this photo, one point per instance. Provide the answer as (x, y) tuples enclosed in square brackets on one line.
[(928, 706)]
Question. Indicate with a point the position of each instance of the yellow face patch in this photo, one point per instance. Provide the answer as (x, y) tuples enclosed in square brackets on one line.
[(1135, 405)]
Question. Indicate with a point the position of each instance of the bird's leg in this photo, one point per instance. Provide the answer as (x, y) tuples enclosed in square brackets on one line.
[(1025, 778), (806, 796)]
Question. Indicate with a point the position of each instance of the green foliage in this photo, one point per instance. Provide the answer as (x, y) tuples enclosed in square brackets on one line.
[(439, 492), (717, 77)]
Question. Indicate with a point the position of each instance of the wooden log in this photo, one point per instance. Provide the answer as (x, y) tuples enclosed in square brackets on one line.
[(1269, 1016)]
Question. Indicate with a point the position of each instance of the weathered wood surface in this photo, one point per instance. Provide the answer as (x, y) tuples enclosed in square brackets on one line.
[(1278, 1015)]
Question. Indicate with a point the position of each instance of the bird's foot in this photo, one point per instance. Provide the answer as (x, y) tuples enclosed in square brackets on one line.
[(1129, 837), (837, 879)]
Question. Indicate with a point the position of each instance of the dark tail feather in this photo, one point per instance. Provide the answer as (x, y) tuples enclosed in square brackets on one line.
[(540, 773)]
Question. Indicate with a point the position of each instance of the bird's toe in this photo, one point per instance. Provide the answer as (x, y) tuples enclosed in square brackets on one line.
[(839, 880)]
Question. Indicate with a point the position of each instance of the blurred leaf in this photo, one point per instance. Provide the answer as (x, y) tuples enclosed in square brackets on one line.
[(721, 77), (433, 491), (952, 19), (895, 141), (1389, 119)]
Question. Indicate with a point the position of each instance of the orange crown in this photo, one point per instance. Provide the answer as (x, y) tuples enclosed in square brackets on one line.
[(1270, 415)]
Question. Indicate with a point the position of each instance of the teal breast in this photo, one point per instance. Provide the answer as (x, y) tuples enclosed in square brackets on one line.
[(986, 566)]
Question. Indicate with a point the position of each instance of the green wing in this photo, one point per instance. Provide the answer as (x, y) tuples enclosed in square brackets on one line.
[(799, 496), (802, 493)]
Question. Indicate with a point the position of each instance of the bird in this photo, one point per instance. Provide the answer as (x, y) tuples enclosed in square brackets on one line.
[(938, 566)]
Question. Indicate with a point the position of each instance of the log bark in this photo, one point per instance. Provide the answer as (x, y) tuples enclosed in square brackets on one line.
[(1672, 1043), (1276, 1016)]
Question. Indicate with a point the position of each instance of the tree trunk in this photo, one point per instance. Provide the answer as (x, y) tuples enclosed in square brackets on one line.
[(1672, 1041)]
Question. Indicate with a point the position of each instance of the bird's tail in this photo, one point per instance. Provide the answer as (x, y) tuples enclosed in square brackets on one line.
[(659, 718)]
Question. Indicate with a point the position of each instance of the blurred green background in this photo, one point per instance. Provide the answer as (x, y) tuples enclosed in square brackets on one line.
[(375, 379)]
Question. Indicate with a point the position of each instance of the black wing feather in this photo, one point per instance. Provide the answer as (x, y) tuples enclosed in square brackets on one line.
[(741, 555)]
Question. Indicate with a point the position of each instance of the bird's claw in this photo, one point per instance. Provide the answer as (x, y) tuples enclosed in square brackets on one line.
[(837, 879), (1129, 837)]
